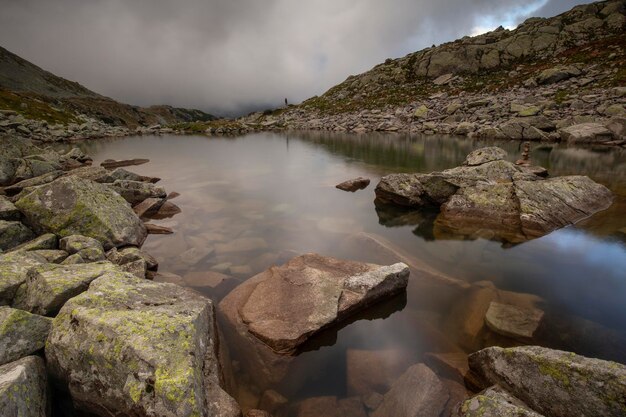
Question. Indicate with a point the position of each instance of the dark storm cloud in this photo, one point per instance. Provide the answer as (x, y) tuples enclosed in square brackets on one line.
[(229, 55)]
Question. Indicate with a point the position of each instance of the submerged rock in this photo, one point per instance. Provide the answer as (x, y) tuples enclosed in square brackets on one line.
[(418, 392), (130, 346), (555, 383), (496, 199), (71, 205), (512, 321), (23, 388), (111, 163), (292, 302), (21, 334)]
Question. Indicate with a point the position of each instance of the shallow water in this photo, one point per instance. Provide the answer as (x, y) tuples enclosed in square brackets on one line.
[(274, 193)]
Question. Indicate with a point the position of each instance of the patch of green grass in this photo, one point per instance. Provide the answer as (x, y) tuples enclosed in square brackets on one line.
[(34, 108)]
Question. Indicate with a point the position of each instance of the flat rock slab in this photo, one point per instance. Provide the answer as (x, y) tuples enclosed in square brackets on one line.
[(71, 205), (111, 163), (310, 293), (512, 321), (555, 383), (130, 346), (23, 388), (21, 334)]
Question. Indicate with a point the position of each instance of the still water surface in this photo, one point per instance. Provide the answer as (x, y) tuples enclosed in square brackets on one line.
[(278, 189)]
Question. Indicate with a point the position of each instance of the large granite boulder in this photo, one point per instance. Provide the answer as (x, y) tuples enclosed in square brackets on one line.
[(586, 133), (23, 388), (49, 286), (555, 383), (21, 333), (493, 198), (292, 302), (494, 402), (130, 346), (71, 205)]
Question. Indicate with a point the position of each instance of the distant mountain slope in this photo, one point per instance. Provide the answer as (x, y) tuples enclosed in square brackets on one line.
[(39, 94), (488, 61)]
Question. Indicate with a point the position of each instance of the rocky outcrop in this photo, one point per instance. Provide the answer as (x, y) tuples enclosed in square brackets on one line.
[(23, 388), (552, 383), (71, 205), (493, 198), (21, 334), (292, 302), (134, 347)]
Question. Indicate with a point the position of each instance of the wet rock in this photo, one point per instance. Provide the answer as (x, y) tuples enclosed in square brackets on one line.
[(49, 287), (23, 388), (111, 163), (13, 272), (310, 293), (202, 279), (148, 207), (484, 155), (13, 233), (47, 241), (167, 210), (136, 191), (132, 346), (512, 321), (586, 133), (155, 229), (452, 365), (122, 174), (8, 211), (257, 413), (555, 383), (418, 392), (353, 185), (21, 334), (71, 205)]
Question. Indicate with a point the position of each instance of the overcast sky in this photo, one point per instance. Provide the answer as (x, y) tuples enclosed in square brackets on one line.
[(230, 56)]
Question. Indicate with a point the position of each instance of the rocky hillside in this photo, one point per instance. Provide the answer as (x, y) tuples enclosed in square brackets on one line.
[(40, 95), (546, 75)]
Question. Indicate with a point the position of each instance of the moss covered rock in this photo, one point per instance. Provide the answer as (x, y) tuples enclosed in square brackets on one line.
[(49, 286), (23, 388), (21, 333), (555, 383), (14, 267), (71, 205), (13, 234), (130, 346)]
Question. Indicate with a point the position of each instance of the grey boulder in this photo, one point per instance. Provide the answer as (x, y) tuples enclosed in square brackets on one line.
[(23, 388), (71, 205), (130, 346), (21, 333)]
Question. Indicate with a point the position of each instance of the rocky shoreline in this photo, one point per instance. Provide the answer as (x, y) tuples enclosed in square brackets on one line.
[(81, 318)]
